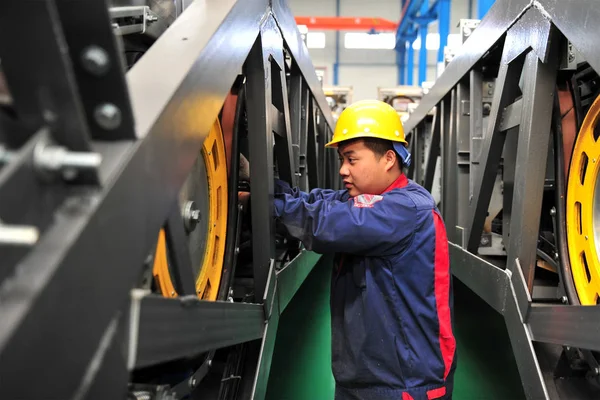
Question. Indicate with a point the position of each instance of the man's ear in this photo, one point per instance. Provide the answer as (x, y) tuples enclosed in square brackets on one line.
[(390, 159)]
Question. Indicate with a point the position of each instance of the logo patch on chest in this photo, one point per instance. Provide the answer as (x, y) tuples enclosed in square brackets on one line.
[(366, 200)]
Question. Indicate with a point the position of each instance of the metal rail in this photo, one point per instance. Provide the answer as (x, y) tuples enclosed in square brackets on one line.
[(490, 113), (118, 148)]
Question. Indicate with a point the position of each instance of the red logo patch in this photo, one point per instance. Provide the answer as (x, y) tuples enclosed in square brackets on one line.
[(366, 200)]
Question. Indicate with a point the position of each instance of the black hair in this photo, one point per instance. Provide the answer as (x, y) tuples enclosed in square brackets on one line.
[(377, 146)]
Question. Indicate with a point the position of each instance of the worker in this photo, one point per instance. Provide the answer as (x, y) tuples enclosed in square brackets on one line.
[(391, 290)]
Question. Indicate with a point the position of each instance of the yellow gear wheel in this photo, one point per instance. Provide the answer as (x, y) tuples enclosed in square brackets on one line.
[(583, 209), (211, 231)]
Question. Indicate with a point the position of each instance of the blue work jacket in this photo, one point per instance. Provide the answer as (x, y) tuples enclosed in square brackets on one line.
[(391, 289)]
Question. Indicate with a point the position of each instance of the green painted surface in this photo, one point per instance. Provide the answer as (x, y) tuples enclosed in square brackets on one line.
[(301, 367), (486, 366)]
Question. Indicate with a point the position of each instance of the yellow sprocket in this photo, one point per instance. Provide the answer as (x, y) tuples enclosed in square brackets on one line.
[(208, 266), (583, 209)]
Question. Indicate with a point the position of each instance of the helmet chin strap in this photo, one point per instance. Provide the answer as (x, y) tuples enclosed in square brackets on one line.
[(403, 153)]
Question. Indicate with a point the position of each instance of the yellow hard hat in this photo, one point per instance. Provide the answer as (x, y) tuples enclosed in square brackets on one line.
[(371, 118)]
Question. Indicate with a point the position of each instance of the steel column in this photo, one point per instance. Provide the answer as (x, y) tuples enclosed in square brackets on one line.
[(423, 50), (410, 63)]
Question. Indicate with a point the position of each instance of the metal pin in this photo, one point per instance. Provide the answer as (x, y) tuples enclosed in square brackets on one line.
[(18, 235), (57, 158)]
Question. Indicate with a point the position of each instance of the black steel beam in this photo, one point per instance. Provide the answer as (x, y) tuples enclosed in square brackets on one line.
[(449, 163), (523, 350), (534, 138), (70, 261), (493, 141), (261, 143), (174, 328), (299, 51), (484, 278), (98, 67), (433, 151), (50, 95), (554, 324)]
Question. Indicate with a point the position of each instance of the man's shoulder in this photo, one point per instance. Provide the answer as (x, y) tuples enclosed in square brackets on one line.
[(413, 195)]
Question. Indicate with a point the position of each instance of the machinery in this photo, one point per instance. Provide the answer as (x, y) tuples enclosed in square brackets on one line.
[(338, 97), (513, 120), (139, 143), (404, 99)]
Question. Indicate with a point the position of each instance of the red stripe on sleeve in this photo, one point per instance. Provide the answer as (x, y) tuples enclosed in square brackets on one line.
[(436, 393), (442, 293)]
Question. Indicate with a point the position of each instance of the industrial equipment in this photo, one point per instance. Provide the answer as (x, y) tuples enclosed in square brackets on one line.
[(514, 119), (138, 150), (338, 97), (404, 99)]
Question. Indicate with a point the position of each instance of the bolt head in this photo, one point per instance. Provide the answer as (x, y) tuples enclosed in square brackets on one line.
[(108, 116), (95, 60), (191, 216)]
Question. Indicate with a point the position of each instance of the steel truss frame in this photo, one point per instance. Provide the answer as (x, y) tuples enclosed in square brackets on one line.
[(528, 41), (80, 216)]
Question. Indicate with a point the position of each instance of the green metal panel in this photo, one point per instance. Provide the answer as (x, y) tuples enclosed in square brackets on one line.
[(301, 365)]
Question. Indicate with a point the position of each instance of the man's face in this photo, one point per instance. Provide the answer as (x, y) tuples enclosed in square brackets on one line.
[(361, 171)]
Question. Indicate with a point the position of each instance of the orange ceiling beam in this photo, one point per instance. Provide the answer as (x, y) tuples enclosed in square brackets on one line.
[(348, 23)]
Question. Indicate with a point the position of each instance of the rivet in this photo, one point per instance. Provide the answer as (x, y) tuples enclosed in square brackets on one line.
[(172, 293), (95, 60), (586, 238), (593, 160), (108, 116)]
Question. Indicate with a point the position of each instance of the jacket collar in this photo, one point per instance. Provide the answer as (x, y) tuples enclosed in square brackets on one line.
[(399, 183)]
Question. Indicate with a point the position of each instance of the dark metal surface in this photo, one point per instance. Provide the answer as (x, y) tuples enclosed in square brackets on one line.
[(511, 117), (48, 96), (59, 301), (496, 147), (258, 70), (175, 328), (99, 79), (487, 280), (554, 324), (291, 35), (525, 356)]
